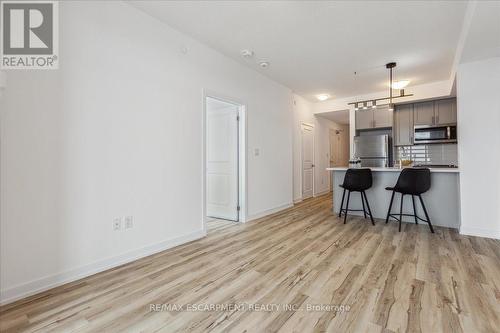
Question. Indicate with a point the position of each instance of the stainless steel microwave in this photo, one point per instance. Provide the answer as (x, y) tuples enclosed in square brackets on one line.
[(435, 134)]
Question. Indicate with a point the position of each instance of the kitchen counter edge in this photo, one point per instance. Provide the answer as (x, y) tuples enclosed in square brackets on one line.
[(381, 169)]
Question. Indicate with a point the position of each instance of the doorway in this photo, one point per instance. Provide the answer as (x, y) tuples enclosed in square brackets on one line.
[(336, 148), (307, 152), (338, 153), (223, 165)]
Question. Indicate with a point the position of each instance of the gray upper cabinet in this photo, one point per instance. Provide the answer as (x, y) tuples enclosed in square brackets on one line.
[(364, 119), (430, 113), (403, 125), (373, 118), (424, 113), (445, 111), (382, 117)]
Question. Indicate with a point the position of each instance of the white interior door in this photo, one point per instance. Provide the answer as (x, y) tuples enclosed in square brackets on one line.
[(222, 162), (307, 161)]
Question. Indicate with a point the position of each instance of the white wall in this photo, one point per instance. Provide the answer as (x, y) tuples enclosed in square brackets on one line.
[(303, 112), (478, 103), (117, 131)]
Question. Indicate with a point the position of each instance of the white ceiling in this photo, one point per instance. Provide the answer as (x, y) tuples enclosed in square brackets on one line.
[(483, 36), (340, 117), (316, 46)]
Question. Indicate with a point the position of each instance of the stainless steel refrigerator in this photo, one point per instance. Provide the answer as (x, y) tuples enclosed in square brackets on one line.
[(373, 150)]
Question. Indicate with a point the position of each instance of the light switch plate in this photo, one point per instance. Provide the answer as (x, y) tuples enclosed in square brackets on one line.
[(129, 222)]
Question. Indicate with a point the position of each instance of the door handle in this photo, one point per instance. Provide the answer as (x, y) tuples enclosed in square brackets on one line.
[(312, 165)]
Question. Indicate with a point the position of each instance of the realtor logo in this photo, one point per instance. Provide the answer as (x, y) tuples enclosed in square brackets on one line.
[(29, 35)]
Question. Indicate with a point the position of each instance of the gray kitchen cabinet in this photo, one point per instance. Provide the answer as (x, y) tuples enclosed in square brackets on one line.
[(445, 111), (373, 118), (424, 113), (382, 117), (403, 125), (364, 119)]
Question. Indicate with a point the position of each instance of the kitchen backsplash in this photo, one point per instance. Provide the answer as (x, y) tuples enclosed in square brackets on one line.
[(429, 154)]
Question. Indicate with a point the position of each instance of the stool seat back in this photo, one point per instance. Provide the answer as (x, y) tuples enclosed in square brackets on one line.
[(358, 179), (414, 181)]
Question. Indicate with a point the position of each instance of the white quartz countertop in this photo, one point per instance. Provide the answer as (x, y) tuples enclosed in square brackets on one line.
[(395, 169)]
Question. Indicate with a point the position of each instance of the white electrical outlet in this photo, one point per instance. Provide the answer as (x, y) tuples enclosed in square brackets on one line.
[(129, 222), (117, 224)]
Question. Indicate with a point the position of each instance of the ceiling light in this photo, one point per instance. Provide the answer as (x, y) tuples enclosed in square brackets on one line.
[(356, 107), (322, 97), (264, 64), (246, 53), (400, 84), (392, 85)]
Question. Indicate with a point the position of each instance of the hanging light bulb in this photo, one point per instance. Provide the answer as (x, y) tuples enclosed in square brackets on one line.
[(356, 107), (365, 106), (374, 104)]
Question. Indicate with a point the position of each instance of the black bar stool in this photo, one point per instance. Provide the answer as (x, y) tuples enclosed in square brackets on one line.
[(356, 180), (414, 182)]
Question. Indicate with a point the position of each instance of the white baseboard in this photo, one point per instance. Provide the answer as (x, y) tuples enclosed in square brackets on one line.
[(488, 233), (37, 286), (268, 212), (297, 200), (322, 192)]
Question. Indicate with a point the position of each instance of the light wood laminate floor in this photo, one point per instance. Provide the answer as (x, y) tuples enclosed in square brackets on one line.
[(295, 262)]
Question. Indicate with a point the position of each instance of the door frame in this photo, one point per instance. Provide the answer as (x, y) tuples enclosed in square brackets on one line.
[(303, 123), (242, 156)]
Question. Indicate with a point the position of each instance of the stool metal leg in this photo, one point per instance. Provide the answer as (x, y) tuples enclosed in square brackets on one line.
[(414, 210), (369, 210), (389, 210), (426, 215), (363, 202), (342, 204), (401, 211), (347, 206)]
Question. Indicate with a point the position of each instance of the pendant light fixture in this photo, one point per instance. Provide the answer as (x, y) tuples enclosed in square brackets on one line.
[(374, 105), (390, 66)]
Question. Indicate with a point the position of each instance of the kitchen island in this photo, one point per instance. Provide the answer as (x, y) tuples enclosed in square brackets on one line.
[(441, 201)]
